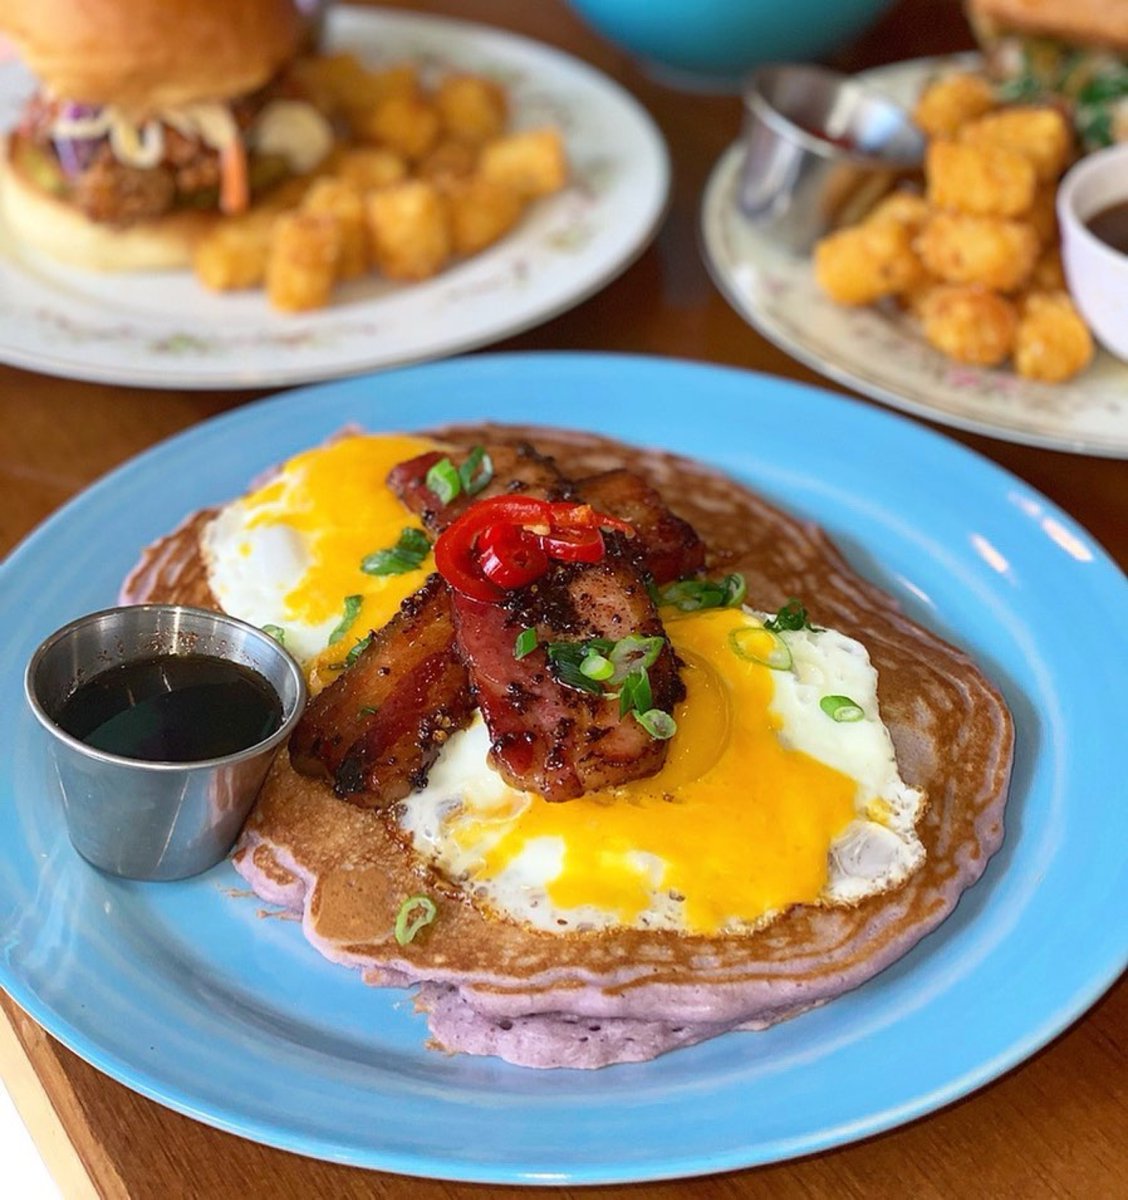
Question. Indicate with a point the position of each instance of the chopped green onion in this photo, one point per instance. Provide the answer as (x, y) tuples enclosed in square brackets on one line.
[(759, 644), (358, 649), (841, 708), (366, 711), (276, 632), (443, 479), (635, 694), (526, 642), (476, 472), (595, 666), (632, 652), (660, 725), (407, 554), (792, 616), (352, 609), (565, 658), (690, 595), (414, 913)]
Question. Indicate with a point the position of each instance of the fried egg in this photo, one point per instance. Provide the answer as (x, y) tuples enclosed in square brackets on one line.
[(288, 554), (765, 801), (768, 797)]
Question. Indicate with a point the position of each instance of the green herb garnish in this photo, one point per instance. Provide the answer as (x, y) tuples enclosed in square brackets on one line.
[(634, 693), (414, 913), (690, 595), (276, 632), (358, 649), (759, 644), (632, 652), (407, 554), (476, 471), (841, 708), (596, 667), (365, 711), (526, 642), (444, 481), (792, 616), (352, 609), (660, 725)]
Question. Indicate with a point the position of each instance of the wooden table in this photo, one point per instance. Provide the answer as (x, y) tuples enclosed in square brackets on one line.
[(1056, 1126)]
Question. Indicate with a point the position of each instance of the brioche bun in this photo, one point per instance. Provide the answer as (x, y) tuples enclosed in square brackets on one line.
[(1096, 23), (142, 55), (36, 218)]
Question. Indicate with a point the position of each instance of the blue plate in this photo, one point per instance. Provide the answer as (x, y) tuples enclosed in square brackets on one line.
[(185, 993)]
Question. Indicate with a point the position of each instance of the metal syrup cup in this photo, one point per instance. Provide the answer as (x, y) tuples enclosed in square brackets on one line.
[(155, 820), (799, 186)]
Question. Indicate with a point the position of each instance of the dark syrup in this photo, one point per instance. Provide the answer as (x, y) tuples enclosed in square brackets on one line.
[(1111, 225), (173, 708)]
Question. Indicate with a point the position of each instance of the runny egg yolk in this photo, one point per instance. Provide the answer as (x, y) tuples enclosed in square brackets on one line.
[(736, 822), (336, 499)]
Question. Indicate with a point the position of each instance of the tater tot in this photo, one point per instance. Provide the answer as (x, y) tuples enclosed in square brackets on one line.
[(902, 208), (1043, 214), (969, 324), (368, 167), (1040, 134), (1053, 343), (866, 262), (344, 204), (303, 261), (989, 180), (952, 101), (995, 252), (409, 125), (481, 211), (342, 83), (409, 229), (449, 160), (234, 253), (533, 163), (1048, 274), (472, 109)]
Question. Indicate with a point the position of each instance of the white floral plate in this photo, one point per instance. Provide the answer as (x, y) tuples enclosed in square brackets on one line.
[(879, 352), (165, 330)]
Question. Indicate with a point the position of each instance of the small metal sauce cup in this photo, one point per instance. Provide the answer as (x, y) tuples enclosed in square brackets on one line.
[(155, 820), (801, 186)]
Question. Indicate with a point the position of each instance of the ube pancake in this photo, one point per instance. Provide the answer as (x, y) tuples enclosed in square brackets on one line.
[(588, 998)]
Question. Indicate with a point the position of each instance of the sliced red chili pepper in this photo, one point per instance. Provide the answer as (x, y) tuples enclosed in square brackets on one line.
[(574, 545), (510, 556), (505, 541)]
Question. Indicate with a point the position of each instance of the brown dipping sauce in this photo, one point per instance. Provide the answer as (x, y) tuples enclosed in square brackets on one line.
[(1111, 226)]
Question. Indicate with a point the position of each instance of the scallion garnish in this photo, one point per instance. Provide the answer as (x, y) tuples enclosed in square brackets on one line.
[(414, 913), (759, 644), (634, 693), (841, 708), (444, 481), (631, 652), (411, 548), (526, 642), (596, 667), (792, 616), (358, 649), (660, 725), (564, 659), (352, 609), (365, 711), (476, 471), (690, 595), (276, 632)]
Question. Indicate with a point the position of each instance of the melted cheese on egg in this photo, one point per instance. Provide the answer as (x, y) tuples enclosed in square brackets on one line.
[(289, 553)]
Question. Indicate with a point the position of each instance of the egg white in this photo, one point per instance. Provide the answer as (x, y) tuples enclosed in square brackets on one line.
[(466, 808)]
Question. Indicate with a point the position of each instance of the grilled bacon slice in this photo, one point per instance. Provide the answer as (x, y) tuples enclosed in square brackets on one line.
[(516, 468), (377, 729), (669, 547), (547, 737)]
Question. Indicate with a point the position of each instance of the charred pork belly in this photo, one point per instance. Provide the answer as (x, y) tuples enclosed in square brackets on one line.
[(668, 546), (547, 736), (377, 729)]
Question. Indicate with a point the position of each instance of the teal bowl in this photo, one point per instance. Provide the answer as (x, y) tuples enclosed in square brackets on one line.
[(713, 43)]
